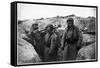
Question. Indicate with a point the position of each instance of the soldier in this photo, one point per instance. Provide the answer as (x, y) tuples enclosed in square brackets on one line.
[(36, 40), (32, 33), (51, 46), (71, 40)]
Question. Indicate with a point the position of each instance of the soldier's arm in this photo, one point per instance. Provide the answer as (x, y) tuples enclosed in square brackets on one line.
[(80, 38), (63, 40), (53, 44)]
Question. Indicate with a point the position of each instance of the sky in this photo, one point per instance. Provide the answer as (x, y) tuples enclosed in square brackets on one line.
[(36, 11)]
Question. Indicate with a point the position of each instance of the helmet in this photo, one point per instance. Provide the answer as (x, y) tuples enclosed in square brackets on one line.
[(35, 26), (49, 26), (70, 20)]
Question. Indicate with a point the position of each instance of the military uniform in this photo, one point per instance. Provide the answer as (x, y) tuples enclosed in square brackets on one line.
[(70, 41), (51, 46)]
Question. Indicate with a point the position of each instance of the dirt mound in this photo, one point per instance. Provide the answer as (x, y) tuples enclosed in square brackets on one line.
[(87, 52), (25, 51)]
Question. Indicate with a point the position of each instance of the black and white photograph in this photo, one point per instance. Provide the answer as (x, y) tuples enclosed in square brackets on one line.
[(55, 33)]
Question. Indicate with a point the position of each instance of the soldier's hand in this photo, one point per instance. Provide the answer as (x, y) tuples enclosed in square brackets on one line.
[(62, 48)]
